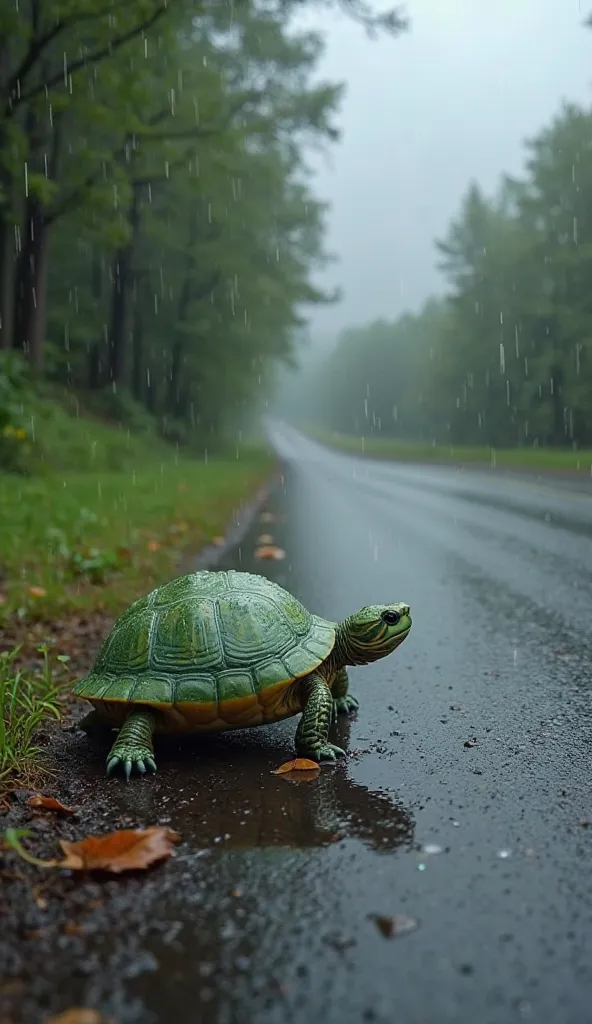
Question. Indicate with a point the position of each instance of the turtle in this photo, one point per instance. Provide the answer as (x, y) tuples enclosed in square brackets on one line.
[(216, 650)]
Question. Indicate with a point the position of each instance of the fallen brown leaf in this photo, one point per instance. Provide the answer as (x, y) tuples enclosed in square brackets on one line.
[(218, 541), (71, 928), (392, 926), (37, 592), (153, 545), (126, 850), (78, 1015), (299, 764), (270, 551), (49, 803)]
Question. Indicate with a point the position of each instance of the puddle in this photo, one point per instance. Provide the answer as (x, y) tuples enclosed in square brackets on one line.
[(220, 792)]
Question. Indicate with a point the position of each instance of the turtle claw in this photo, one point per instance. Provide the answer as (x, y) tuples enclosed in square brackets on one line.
[(347, 705), (326, 752), (130, 762), (331, 752)]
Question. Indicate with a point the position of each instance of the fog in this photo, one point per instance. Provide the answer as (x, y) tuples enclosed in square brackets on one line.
[(449, 101)]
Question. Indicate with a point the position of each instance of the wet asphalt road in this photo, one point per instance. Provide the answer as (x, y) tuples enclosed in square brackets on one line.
[(265, 914)]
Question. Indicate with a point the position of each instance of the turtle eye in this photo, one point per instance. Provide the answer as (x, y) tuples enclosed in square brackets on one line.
[(391, 618)]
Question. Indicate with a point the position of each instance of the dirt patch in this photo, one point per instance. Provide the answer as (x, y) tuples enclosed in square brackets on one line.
[(78, 636)]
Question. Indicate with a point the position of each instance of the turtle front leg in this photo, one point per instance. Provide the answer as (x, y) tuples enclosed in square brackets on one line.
[(133, 747), (343, 701), (313, 731)]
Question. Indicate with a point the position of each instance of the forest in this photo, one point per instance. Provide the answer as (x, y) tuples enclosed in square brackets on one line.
[(504, 357), (159, 236)]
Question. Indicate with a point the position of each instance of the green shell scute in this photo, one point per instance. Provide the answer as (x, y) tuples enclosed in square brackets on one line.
[(206, 637)]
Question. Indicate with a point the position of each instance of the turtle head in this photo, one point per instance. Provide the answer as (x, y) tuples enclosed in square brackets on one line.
[(372, 633)]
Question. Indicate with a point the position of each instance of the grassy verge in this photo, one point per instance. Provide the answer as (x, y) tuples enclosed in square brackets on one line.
[(95, 541), (550, 459)]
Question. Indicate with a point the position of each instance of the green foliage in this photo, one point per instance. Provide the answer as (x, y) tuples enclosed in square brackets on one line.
[(163, 144), (506, 358), (15, 392), (26, 700)]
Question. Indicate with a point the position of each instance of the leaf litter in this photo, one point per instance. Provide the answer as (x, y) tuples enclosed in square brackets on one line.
[(49, 803), (391, 927), (80, 1015), (298, 764), (270, 551), (115, 852)]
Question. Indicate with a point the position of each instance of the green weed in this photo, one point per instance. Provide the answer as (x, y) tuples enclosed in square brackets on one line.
[(26, 700)]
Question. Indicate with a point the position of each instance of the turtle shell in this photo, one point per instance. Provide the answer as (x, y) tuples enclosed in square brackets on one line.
[(210, 650)]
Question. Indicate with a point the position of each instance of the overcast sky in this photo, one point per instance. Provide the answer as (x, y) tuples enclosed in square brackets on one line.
[(448, 101)]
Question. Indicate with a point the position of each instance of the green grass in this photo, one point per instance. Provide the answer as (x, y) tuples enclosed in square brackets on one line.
[(98, 540), (552, 459), (103, 514), (60, 438), (26, 700)]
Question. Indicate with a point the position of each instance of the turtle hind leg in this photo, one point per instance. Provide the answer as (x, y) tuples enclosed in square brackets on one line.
[(93, 724), (133, 747), (344, 702), (313, 731)]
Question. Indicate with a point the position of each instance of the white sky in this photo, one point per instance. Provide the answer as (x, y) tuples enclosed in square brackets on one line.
[(449, 101)]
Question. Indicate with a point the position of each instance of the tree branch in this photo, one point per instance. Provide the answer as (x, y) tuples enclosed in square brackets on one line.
[(96, 57), (38, 45)]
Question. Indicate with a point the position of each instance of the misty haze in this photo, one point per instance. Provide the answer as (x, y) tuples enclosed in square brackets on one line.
[(295, 512)]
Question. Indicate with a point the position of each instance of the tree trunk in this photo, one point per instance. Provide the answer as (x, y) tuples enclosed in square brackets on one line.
[(177, 355), (6, 280), (122, 278), (138, 351), (95, 376), (94, 367), (31, 286), (30, 304)]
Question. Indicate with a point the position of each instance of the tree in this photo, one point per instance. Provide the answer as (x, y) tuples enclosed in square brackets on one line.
[(506, 358)]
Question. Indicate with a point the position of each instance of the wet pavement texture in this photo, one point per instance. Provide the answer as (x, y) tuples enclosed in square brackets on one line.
[(464, 803)]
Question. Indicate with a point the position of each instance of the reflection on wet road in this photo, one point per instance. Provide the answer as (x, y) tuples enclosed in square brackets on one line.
[(473, 739)]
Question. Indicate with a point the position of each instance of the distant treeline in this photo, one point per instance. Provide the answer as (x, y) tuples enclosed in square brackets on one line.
[(157, 233), (506, 358)]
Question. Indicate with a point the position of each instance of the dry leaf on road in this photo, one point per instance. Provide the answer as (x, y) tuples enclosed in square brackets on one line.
[(78, 1015), (49, 803), (126, 850), (270, 551), (299, 764), (392, 926)]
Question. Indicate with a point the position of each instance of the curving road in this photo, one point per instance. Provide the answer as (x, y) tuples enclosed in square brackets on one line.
[(270, 921)]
